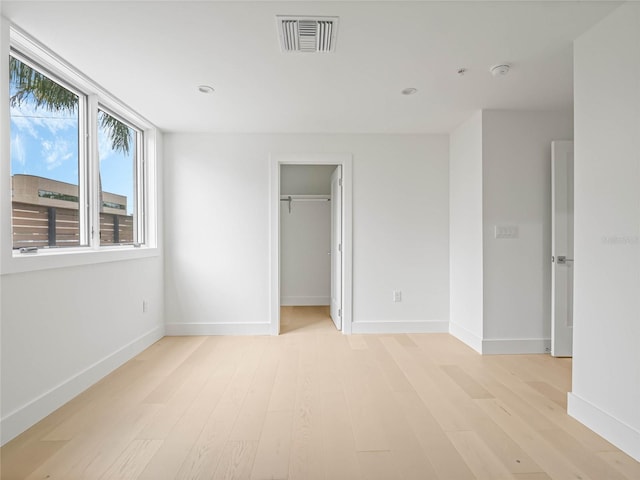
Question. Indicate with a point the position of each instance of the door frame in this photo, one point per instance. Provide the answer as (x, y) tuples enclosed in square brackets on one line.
[(275, 162)]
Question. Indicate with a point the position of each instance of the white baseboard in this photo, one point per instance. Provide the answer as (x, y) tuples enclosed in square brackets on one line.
[(16, 422), (180, 329), (500, 346), (400, 327), (466, 337), (515, 346), (304, 301), (623, 436)]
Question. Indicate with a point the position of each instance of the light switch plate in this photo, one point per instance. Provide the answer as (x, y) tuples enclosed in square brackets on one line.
[(506, 231)]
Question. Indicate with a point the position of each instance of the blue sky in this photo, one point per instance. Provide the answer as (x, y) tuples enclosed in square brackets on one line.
[(45, 144)]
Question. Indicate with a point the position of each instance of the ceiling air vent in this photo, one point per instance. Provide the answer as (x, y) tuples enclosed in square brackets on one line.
[(307, 34)]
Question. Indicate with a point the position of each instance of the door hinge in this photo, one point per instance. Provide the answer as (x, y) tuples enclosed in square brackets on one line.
[(340, 181), (340, 247), (340, 312)]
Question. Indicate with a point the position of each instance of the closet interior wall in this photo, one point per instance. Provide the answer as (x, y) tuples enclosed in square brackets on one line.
[(305, 234)]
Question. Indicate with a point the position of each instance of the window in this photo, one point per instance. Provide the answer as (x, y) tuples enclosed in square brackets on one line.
[(81, 163), (46, 159), (121, 202)]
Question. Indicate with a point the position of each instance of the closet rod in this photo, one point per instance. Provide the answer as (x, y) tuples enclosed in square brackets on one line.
[(303, 198)]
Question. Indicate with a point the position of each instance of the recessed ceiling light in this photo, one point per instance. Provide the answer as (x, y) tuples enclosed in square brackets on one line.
[(409, 91), (205, 89), (500, 70)]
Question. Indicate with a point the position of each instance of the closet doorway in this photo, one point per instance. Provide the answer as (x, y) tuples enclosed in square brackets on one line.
[(311, 238)]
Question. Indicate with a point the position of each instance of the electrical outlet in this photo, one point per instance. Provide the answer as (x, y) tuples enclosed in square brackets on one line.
[(397, 296)]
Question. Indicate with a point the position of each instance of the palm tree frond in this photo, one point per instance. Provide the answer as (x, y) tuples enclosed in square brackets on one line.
[(30, 86), (118, 132)]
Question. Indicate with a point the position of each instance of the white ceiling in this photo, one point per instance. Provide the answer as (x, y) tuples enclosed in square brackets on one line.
[(153, 54)]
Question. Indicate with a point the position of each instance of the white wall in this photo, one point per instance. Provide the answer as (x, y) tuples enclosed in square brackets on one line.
[(305, 240), (500, 174), (217, 271), (465, 231), (64, 329), (606, 366), (516, 185)]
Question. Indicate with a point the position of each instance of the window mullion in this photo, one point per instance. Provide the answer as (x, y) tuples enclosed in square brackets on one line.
[(83, 172), (141, 193), (93, 164)]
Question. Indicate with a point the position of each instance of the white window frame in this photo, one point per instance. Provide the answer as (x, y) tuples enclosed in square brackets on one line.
[(83, 145), (13, 261), (139, 206)]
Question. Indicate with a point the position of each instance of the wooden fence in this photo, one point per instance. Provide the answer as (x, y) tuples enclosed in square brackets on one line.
[(42, 226), (115, 229)]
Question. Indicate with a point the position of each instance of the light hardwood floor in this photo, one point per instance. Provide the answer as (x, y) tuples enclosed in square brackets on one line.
[(314, 404)]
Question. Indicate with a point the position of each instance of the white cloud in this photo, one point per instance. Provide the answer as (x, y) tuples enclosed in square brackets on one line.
[(56, 152), (27, 117), (18, 151), (55, 133), (105, 149), (22, 122)]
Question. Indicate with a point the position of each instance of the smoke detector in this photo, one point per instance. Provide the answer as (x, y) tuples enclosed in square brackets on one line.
[(307, 34), (500, 70)]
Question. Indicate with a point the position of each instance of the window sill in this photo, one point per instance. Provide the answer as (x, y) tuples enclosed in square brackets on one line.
[(16, 262)]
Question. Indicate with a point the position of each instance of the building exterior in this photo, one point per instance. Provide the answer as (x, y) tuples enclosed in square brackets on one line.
[(45, 213)]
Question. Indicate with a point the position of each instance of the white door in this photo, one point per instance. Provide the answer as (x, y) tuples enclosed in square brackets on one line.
[(562, 249), (336, 247)]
